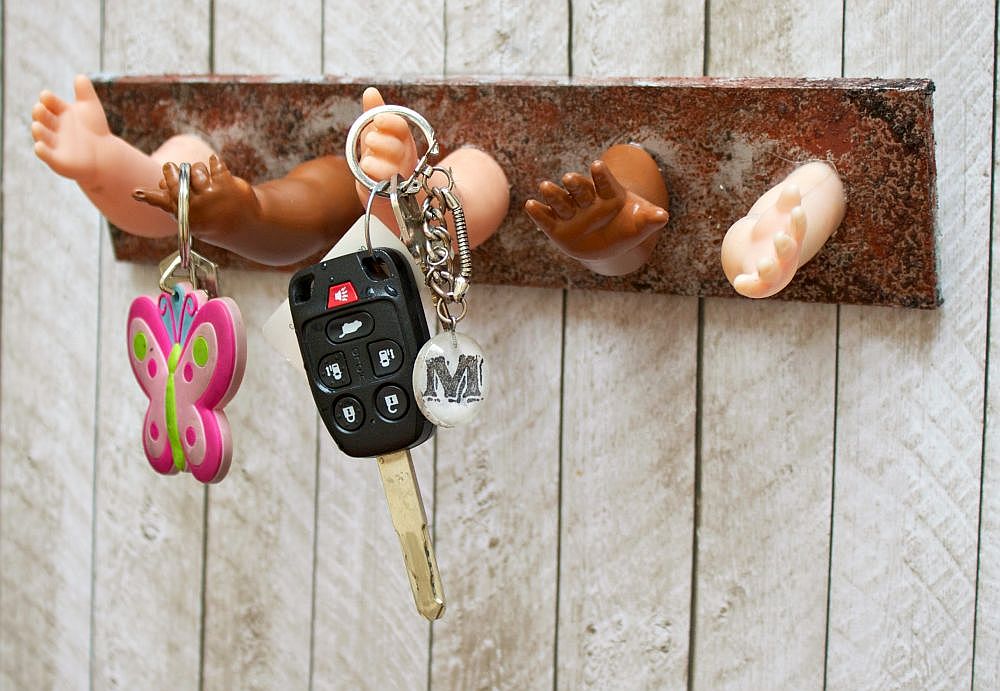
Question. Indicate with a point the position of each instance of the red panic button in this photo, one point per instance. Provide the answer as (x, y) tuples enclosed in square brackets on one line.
[(341, 294)]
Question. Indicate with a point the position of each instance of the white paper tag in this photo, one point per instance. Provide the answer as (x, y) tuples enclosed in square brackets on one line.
[(279, 330)]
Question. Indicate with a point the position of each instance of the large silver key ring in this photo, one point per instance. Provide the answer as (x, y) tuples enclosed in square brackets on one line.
[(410, 185)]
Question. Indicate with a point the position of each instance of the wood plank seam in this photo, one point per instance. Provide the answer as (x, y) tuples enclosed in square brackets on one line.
[(836, 400), (833, 487), (95, 475), (989, 326), (559, 482), (92, 657), (699, 379)]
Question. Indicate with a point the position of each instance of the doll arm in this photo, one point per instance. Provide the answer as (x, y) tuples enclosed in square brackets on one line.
[(387, 147), (276, 222), (74, 140), (606, 222)]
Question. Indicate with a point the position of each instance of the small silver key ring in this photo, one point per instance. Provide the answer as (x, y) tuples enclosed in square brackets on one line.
[(182, 260), (183, 224), (366, 118)]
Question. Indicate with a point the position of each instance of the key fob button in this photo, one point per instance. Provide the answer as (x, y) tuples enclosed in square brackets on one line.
[(348, 413), (333, 371), (387, 357), (341, 294), (348, 328), (391, 402)]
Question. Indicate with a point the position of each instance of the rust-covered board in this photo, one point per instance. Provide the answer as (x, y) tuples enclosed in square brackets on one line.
[(720, 144)]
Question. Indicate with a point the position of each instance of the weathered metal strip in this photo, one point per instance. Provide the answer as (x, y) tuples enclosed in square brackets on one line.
[(720, 142)]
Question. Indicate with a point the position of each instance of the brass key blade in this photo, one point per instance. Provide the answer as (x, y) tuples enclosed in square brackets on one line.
[(408, 518)]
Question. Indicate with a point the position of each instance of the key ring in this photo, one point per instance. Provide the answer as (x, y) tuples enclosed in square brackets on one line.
[(183, 225), (201, 272), (364, 120), (376, 190), (182, 260)]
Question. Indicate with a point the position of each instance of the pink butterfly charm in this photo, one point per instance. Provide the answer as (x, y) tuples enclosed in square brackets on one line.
[(188, 353)]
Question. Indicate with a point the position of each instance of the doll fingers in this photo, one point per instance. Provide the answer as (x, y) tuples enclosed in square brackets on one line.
[(54, 104), (41, 133), (581, 189), (385, 146), (542, 215), (200, 180), (558, 199), (650, 218), (371, 98), (605, 183), (797, 222), (748, 285), (171, 175), (45, 153), (84, 89), (161, 199), (392, 125), (769, 270), (39, 113), (216, 167), (785, 248)]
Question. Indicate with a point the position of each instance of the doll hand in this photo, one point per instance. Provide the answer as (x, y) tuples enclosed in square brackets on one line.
[(68, 135), (387, 147), (594, 220), (219, 201), (764, 253)]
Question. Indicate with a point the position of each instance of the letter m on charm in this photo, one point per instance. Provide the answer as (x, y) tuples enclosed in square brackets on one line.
[(461, 387)]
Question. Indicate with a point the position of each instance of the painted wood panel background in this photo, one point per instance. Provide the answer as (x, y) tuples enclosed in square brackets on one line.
[(693, 494)]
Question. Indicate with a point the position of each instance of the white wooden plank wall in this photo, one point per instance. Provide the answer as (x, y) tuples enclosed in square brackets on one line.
[(47, 388), (767, 415), (148, 533), (911, 384), (704, 495), (628, 461)]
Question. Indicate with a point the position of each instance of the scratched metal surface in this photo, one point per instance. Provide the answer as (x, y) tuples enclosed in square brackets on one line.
[(720, 144)]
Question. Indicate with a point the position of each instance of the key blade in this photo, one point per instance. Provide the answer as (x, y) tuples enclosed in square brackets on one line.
[(406, 508)]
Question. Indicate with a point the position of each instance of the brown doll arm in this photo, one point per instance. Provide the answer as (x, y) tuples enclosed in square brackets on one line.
[(608, 222), (276, 222)]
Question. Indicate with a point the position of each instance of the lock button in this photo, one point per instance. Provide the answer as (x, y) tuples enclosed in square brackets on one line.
[(349, 413)]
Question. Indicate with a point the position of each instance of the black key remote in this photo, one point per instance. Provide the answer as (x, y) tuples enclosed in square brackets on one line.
[(360, 324)]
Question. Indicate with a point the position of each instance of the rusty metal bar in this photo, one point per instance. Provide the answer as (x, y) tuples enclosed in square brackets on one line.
[(720, 143)]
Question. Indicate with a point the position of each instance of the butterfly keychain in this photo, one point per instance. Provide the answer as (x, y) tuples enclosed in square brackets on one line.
[(187, 348)]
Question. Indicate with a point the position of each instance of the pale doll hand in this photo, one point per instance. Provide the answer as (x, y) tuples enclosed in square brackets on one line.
[(594, 220), (219, 201), (761, 255), (68, 135), (387, 147)]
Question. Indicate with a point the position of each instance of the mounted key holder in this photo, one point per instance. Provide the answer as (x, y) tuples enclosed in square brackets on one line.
[(720, 144)]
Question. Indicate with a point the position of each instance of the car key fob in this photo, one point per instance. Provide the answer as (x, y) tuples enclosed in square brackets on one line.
[(360, 323)]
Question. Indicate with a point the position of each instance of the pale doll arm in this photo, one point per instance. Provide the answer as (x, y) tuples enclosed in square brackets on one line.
[(75, 141), (783, 230), (387, 147)]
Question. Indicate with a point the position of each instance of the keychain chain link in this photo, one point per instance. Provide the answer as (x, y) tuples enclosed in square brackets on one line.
[(448, 285)]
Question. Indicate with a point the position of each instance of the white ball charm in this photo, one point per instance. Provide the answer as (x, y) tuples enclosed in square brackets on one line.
[(450, 379)]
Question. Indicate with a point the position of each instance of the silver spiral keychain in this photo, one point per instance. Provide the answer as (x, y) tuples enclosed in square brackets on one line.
[(450, 373)]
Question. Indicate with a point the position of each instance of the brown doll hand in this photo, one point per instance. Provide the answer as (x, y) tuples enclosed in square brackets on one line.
[(219, 201), (594, 220)]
